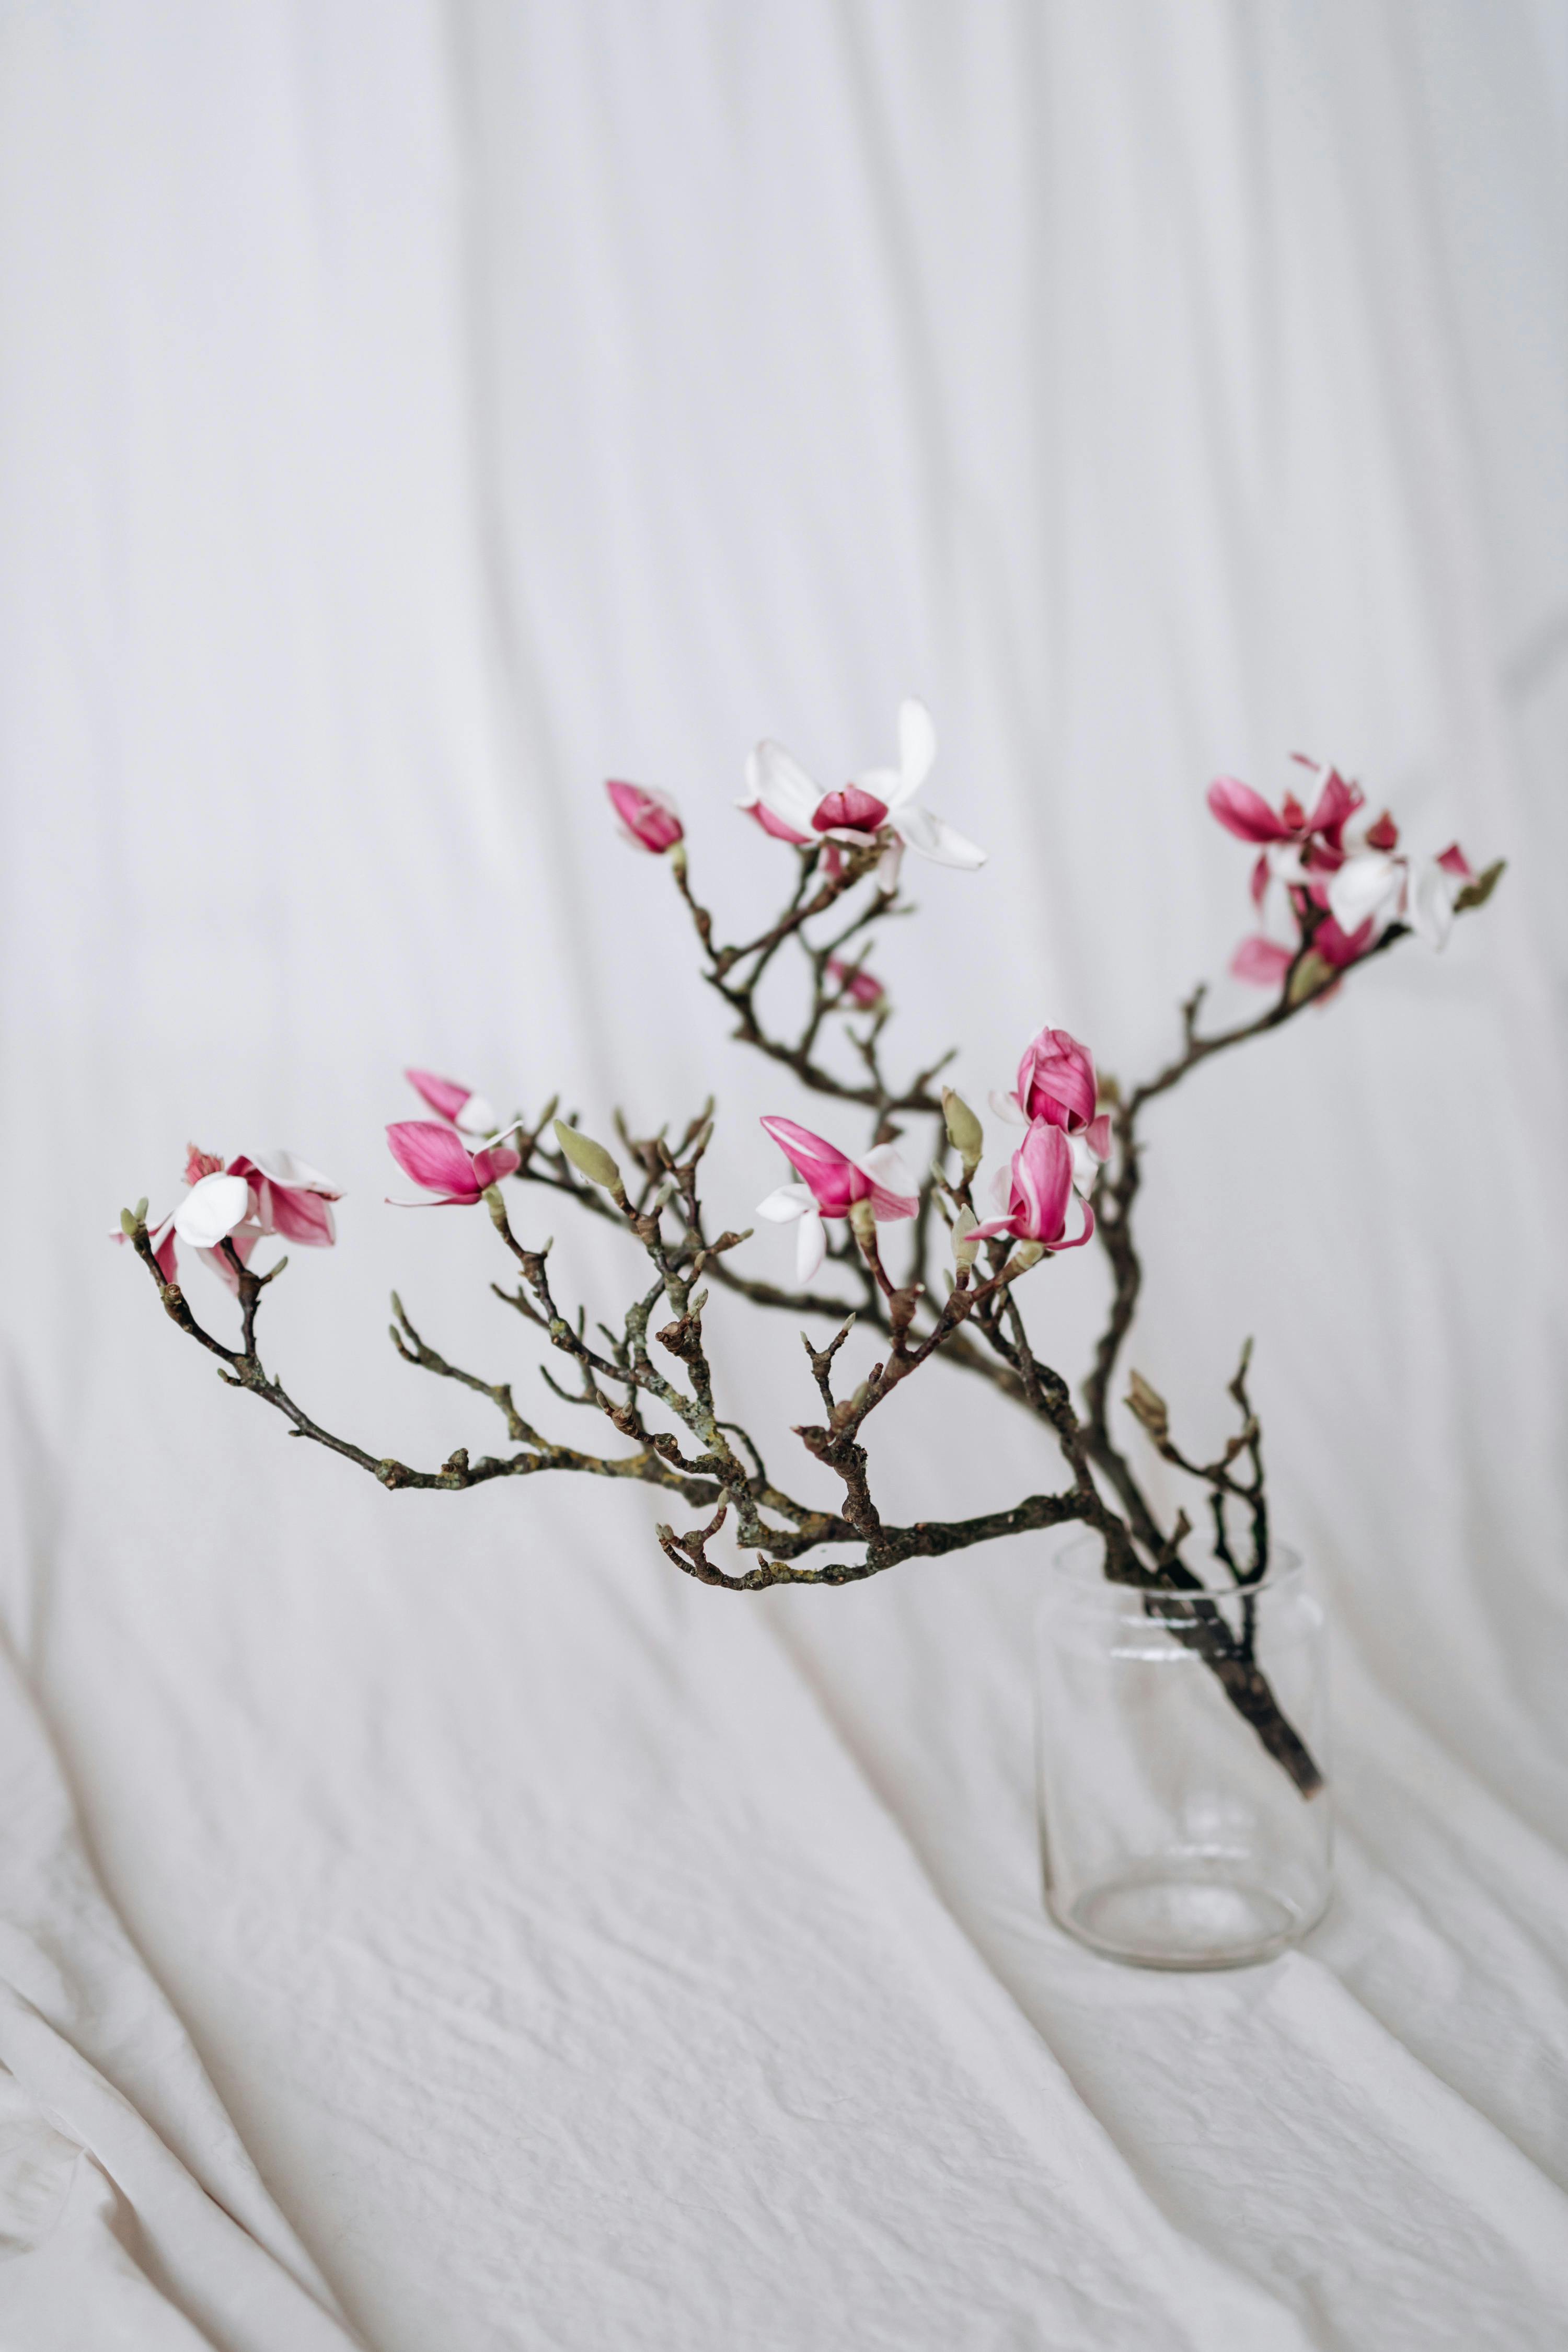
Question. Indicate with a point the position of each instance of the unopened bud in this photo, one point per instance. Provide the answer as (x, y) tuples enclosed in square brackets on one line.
[(491, 1196), (139, 1212), (590, 1158), (965, 1248), (1312, 975), (1150, 1407), (129, 1221), (964, 1131), (697, 1304)]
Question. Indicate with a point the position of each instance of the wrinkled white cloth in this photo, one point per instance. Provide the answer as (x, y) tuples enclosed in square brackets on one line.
[(428, 1920)]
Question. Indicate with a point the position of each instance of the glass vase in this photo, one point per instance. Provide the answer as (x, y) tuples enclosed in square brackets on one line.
[(1182, 1741)]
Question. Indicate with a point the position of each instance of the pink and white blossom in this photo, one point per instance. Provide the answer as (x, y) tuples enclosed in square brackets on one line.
[(1035, 1193), (1347, 891), (649, 820), (832, 1184), (1057, 1082), (242, 1202), (471, 1114), (437, 1158), (877, 807)]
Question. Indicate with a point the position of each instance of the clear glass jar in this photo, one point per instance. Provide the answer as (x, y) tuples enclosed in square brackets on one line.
[(1182, 1743)]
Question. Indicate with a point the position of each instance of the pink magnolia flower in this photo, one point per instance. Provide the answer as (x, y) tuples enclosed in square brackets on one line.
[(470, 1114), (855, 982), (1034, 1194), (832, 1184), (1057, 1083), (242, 1203), (649, 820), (877, 807), (1357, 886), (437, 1158)]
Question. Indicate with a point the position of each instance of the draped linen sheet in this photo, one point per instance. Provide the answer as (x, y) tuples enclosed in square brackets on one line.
[(428, 1920)]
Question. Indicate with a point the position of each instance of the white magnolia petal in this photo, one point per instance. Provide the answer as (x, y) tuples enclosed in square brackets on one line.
[(1001, 1190), (782, 1207), (930, 837), (1085, 1166), (476, 1117), (295, 1175), (1009, 1108), (1363, 885), (1283, 859), (211, 1210), (889, 864), (917, 745), (885, 1165), (810, 1248), (1431, 901), (885, 784), (782, 785)]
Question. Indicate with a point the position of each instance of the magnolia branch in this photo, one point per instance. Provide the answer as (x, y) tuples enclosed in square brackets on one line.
[(649, 1373)]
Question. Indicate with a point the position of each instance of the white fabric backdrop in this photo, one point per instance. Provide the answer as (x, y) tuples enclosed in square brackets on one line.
[(408, 417)]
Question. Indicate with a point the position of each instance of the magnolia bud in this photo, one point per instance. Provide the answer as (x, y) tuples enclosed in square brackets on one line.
[(1150, 1407), (965, 1248), (1313, 972), (129, 1221), (591, 1159), (1477, 892), (491, 1196), (964, 1131)]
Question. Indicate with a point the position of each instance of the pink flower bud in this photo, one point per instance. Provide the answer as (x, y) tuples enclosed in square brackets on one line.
[(1057, 1081), (649, 819), (853, 810), (1036, 1194), (855, 982)]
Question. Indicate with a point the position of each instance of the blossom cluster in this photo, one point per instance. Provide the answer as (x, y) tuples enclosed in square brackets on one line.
[(1336, 893), (1336, 884)]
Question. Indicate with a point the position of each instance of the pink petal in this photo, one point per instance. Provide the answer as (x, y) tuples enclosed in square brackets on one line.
[(303, 1217), (829, 1172), (1078, 1239), (852, 810), (1341, 948), (1336, 803), (1245, 813), (775, 824), (1042, 1183), (1454, 861), (444, 1095), (434, 1157), (491, 1166), (1097, 1135), (1263, 961)]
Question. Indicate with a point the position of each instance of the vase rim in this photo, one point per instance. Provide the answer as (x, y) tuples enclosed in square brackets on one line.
[(1077, 1567)]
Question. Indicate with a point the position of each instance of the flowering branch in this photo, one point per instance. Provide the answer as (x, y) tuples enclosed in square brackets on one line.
[(651, 1375)]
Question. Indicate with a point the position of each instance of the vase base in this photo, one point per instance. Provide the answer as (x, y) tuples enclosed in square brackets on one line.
[(1197, 1917)]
